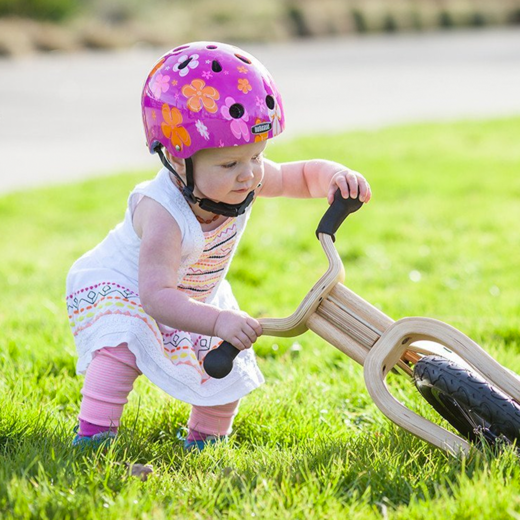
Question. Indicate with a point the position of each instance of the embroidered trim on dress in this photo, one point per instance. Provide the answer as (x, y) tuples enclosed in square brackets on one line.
[(205, 275)]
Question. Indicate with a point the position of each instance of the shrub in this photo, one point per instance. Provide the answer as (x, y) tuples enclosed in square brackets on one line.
[(39, 9), (359, 21)]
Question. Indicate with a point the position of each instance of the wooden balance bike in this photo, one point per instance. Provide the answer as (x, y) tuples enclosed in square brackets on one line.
[(471, 390)]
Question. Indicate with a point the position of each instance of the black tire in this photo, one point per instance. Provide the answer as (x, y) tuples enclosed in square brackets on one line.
[(468, 402)]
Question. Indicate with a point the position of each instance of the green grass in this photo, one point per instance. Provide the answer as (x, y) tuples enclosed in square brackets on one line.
[(310, 443)]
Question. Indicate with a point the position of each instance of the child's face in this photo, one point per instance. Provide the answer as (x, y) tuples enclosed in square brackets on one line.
[(228, 174)]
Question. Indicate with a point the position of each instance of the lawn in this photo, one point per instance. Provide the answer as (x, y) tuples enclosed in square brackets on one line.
[(440, 238)]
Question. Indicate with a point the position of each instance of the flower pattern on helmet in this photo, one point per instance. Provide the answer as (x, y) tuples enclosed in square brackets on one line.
[(238, 126), (202, 129), (193, 63), (201, 96), (156, 67), (244, 86), (276, 119), (172, 129), (260, 104), (160, 85)]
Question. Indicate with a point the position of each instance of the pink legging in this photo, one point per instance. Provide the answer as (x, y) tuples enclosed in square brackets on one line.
[(110, 378)]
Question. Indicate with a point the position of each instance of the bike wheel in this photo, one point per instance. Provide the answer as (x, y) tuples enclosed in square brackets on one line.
[(467, 401)]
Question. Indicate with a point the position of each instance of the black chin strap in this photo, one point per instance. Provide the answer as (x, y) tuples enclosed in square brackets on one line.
[(218, 208)]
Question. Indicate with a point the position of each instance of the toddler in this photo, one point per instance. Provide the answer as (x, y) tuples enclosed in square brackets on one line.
[(152, 297)]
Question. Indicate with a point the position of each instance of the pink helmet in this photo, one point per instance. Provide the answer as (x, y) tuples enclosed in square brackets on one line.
[(209, 95)]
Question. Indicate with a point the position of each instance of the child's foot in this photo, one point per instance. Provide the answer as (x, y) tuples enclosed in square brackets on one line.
[(195, 440), (201, 444), (93, 441)]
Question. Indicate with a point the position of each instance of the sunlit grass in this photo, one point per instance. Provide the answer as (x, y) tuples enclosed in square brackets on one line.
[(440, 239)]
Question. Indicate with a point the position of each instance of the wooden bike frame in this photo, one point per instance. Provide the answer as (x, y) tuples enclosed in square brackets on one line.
[(374, 340)]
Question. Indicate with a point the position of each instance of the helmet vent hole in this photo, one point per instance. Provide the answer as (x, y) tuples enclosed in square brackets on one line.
[(216, 66), (236, 111), (180, 48), (211, 47), (269, 101), (185, 63), (243, 58)]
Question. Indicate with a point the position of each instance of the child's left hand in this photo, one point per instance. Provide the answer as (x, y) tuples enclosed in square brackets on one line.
[(351, 184)]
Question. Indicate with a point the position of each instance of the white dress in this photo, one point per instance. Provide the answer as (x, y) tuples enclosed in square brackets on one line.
[(104, 307)]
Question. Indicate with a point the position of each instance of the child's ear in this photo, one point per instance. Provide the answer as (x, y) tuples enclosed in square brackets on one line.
[(178, 164)]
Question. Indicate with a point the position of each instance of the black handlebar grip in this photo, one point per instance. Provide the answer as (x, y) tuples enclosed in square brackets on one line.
[(337, 212), (218, 362)]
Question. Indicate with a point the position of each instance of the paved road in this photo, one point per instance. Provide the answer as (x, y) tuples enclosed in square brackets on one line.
[(64, 117)]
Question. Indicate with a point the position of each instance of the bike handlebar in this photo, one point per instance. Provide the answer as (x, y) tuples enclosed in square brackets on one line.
[(336, 213), (218, 363)]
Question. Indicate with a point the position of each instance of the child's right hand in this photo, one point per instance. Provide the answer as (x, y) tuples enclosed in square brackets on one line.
[(238, 328)]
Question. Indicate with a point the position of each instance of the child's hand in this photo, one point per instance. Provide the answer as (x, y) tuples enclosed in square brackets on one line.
[(238, 328), (351, 184)]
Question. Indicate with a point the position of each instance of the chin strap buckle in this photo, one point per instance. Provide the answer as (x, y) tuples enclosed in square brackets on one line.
[(188, 195)]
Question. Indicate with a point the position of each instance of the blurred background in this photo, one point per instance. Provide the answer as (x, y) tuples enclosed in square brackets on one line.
[(71, 71), (68, 25)]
